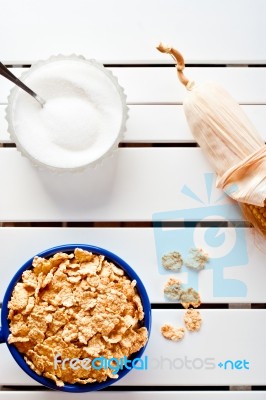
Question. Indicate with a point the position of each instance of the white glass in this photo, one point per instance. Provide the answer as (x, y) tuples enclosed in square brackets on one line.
[(82, 121)]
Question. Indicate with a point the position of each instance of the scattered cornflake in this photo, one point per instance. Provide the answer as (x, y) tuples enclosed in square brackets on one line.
[(172, 333), (172, 289), (192, 320), (190, 298), (172, 261), (79, 305), (197, 259)]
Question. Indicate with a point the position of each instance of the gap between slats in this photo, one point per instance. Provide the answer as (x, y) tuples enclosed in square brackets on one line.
[(144, 393)]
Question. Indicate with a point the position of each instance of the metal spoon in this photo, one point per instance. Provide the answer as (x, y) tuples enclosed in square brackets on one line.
[(7, 74)]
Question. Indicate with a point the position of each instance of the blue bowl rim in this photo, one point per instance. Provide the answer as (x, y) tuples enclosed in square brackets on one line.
[(74, 388)]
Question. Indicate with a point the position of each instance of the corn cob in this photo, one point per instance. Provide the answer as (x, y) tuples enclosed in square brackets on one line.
[(234, 148), (255, 214)]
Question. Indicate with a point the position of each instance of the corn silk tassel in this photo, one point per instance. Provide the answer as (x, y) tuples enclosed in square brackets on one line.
[(229, 140)]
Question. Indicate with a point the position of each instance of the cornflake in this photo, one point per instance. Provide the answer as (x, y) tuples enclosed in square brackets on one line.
[(80, 306), (172, 333), (190, 298), (192, 320), (173, 289), (197, 259), (172, 261)]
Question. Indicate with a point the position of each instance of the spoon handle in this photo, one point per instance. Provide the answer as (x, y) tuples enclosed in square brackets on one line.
[(4, 71)]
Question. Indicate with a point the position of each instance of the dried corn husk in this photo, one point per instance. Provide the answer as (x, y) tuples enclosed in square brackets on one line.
[(231, 143)]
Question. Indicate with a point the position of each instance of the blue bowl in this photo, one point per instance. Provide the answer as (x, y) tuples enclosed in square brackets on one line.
[(4, 330)]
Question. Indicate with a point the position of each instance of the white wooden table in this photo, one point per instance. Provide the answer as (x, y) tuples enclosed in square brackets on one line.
[(223, 40)]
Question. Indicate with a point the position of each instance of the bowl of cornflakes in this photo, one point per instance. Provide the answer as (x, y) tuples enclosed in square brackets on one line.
[(76, 318)]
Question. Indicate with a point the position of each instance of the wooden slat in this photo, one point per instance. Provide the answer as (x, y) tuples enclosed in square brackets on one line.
[(194, 361), (160, 85), (150, 85), (132, 185), (4, 135), (228, 32), (116, 395), (167, 123), (160, 123), (239, 278)]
